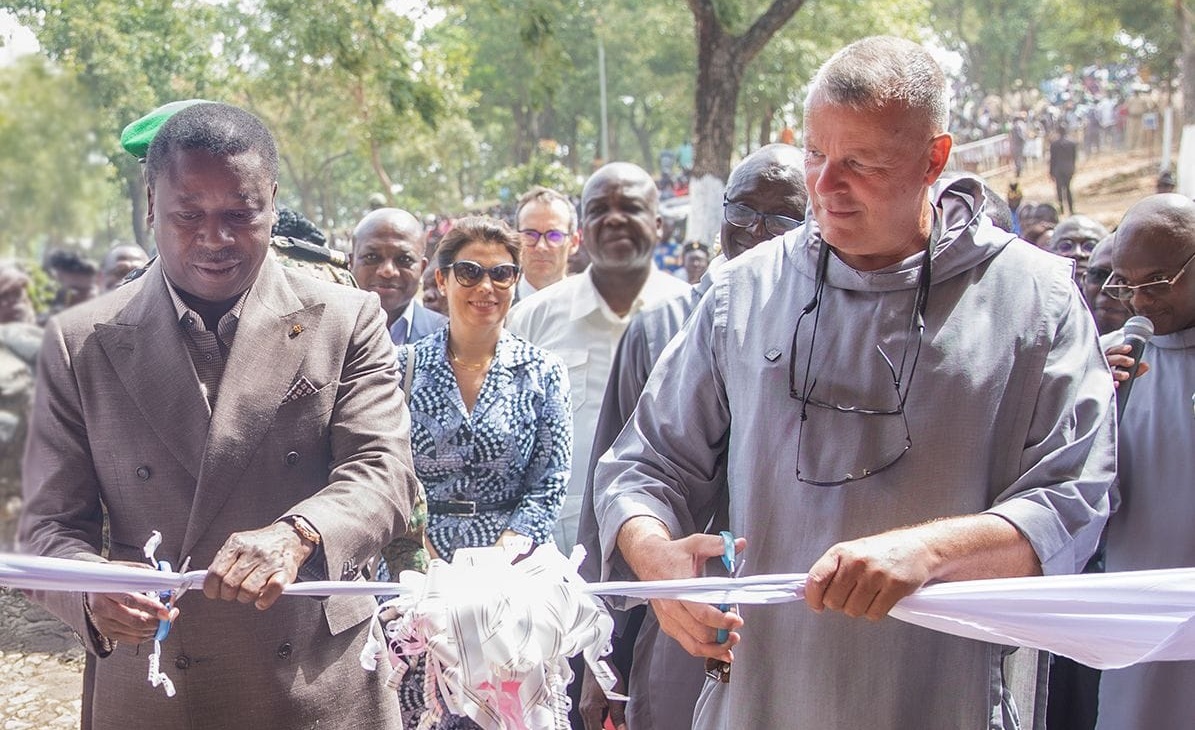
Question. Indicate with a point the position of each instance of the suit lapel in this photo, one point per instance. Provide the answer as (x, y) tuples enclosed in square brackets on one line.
[(273, 334), (146, 348), (423, 322)]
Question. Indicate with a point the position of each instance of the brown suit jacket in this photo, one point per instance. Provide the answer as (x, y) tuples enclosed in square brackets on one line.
[(120, 423)]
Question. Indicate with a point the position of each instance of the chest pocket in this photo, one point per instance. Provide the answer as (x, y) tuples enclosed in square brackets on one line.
[(304, 420), (577, 362)]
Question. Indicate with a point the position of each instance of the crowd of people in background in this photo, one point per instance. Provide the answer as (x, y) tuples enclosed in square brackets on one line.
[(541, 400)]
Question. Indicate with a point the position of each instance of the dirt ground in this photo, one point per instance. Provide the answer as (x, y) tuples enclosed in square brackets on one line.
[(41, 667), (1104, 186)]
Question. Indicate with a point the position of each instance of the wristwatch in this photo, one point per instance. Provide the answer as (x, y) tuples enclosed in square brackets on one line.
[(303, 527)]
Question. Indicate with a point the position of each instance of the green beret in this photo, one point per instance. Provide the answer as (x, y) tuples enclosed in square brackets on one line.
[(137, 136)]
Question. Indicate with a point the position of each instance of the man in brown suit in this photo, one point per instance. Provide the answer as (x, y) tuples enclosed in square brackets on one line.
[(251, 415)]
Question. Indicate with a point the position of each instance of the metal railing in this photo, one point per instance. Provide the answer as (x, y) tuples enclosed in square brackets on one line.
[(990, 156)]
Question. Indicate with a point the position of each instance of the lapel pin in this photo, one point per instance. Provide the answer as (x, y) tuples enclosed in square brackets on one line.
[(772, 355), (294, 331)]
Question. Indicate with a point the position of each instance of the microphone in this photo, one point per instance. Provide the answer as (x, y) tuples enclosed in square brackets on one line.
[(1137, 332)]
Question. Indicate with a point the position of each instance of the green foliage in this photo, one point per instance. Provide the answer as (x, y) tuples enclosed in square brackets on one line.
[(128, 55), (339, 88), (42, 287), (542, 169), (1151, 35), (499, 94), (1010, 41), (775, 82), (51, 178)]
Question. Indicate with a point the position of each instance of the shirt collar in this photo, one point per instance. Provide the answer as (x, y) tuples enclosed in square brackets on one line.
[(408, 313), (525, 288), (183, 311), (589, 300), (1181, 340)]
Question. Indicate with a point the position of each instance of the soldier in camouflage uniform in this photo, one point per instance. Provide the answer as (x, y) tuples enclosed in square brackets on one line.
[(298, 244), (313, 260)]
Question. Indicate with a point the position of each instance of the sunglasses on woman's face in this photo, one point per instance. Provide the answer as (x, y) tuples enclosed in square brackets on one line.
[(470, 273)]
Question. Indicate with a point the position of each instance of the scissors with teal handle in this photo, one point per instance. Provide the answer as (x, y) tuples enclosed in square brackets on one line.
[(728, 560), (167, 599)]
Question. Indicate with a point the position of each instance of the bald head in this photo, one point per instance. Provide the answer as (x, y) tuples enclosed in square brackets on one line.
[(387, 221), (1077, 232), (1164, 221), (620, 217), (1075, 237), (780, 162), (1154, 243), (624, 174), (389, 256), (765, 196)]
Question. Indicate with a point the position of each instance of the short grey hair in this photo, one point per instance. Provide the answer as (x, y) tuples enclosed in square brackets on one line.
[(874, 72)]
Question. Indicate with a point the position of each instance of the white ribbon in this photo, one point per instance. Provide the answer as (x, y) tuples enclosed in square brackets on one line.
[(157, 678), (1105, 621), (496, 636)]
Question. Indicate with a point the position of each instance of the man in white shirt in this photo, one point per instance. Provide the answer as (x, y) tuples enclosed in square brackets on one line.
[(582, 318), (389, 256), (547, 221)]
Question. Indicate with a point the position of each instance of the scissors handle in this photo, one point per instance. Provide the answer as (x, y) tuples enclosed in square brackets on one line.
[(166, 597), (728, 561)]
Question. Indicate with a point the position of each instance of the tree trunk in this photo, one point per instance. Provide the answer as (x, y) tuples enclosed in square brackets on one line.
[(719, 76), (1187, 35), (375, 161), (765, 126), (722, 59), (524, 135), (639, 126), (571, 159), (1186, 147)]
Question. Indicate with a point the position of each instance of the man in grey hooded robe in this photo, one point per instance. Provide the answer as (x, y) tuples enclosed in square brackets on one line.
[(902, 393)]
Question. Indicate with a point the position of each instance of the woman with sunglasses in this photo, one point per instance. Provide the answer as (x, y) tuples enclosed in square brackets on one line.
[(491, 428)]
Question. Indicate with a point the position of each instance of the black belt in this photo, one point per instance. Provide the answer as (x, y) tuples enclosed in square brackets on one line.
[(465, 508)]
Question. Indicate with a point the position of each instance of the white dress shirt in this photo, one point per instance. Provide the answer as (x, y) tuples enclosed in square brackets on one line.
[(571, 319)]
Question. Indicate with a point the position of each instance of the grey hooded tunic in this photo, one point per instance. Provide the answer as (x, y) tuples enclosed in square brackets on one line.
[(1009, 412), (1152, 527)]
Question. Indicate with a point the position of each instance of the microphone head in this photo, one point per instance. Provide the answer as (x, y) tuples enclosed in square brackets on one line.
[(1139, 326)]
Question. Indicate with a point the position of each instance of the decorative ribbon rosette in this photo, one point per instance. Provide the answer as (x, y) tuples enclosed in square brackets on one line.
[(496, 636)]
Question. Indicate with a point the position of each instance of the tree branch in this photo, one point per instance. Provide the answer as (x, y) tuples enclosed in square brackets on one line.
[(765, 26)]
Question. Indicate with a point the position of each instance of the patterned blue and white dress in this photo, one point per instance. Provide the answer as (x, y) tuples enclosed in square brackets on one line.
[(516, 444)]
